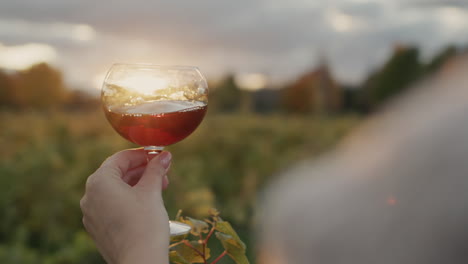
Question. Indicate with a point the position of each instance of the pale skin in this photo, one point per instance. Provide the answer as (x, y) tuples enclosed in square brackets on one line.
[(123, 210)]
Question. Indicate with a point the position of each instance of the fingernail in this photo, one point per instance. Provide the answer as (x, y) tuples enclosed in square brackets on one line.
[(165, 159)]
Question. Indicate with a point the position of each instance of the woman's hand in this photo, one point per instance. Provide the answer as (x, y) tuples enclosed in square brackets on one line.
[(123, 210)]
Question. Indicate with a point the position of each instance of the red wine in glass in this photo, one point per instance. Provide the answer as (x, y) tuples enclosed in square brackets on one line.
[(159, 123)]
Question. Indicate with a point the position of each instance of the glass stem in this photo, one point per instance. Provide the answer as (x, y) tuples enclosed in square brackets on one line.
[(152, 151)]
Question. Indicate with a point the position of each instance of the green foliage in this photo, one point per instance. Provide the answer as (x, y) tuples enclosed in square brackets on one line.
[(231, 242), (6, 89), (226, 96), (440, 59), (46, 158), (176, 258), (39, 87), (234, 248), (188, 251), (225, 228), (401, 70)]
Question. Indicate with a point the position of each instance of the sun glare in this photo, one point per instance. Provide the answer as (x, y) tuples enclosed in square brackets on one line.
[(143, 82), (98, 80), (251, 81), (21, 57)]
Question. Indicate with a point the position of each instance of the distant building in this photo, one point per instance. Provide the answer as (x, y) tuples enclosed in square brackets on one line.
[(315, 91)]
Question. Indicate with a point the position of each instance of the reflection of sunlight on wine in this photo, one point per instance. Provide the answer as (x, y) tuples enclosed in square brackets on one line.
[(143, 82), (251, 81), (23, 56)]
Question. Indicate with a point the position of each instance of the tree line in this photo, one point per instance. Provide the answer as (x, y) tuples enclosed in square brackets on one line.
[(43, 87), (318, 92), (40, 87)]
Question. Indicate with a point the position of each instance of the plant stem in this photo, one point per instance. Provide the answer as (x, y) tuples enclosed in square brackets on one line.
[(219, 257), (196, 250), (209, 234), (204, 246), (175, 244)]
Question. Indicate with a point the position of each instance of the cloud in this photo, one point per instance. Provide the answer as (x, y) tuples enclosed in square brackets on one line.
[(16, 29), (438, 3), (274, 37), (23, 56), (342, 22)]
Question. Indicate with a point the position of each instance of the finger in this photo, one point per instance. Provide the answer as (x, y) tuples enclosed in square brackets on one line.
[(152, 178), (84, 220), (124, 160), (132, 176), (83, 202), (165, 182)]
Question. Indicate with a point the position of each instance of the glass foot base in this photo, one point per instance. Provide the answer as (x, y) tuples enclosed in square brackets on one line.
[(178, 228)]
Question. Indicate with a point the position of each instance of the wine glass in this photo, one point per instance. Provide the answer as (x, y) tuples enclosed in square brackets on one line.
[(155, 106)]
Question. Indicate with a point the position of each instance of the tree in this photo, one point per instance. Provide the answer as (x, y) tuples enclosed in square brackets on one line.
[(227, 96), (6, 88), (40, 86), (398, 73), (440, 59), (78, 100)]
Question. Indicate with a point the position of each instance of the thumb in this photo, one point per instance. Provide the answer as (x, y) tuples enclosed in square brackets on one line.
[(152, 178)]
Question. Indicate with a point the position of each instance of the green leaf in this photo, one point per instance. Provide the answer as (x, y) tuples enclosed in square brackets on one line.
[(234, 248), (178, 238), (198, 227), (226, 228), (190, 255), (176, 258)]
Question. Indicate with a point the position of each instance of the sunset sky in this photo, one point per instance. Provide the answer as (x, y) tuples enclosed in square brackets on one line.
[(279, 38)]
